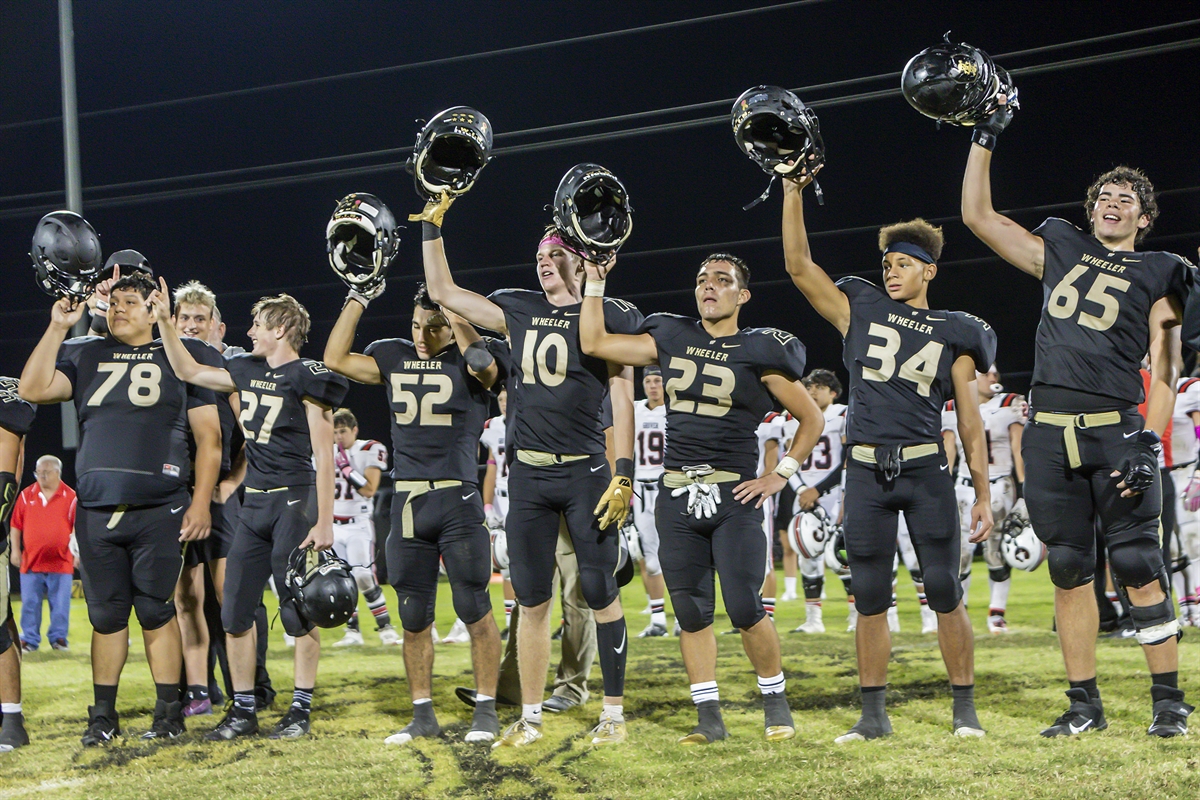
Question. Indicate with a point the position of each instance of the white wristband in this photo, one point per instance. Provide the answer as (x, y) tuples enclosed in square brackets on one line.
[(593, 289), (787, 467), (101, 306)]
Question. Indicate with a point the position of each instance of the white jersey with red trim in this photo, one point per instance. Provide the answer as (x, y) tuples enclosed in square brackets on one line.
[(769, 430), (364, 454), (999, 413), (649, 440), (827, 452), (493, 439), (1184, 448)]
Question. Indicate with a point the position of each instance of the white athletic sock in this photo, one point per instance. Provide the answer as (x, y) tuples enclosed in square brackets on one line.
[(704, 691), (1000, 594), (424, 700), (532, 713), (773, 685), (615, 712), (10, 708), (966, 584), (789, 585)]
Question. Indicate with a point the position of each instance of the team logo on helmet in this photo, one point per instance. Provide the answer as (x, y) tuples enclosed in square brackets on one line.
[(66, 255), (592, 212), (450, 152), (956, 83)]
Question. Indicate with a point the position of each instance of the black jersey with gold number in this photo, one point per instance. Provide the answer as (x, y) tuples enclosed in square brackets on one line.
[(556, 391), (16, 415), (899, 359), (133, 425), (1096, 303), (715, 394), (438, 409), (274, 419)]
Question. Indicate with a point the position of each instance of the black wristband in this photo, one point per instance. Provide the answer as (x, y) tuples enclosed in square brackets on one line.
[(430, 232), (478, 357), (625, 467), (985, 139)]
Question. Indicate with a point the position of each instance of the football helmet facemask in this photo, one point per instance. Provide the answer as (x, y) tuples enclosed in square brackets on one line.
[(450, 152), (779, 133), (1019, 545), (66, 255), (592, 212), (362, 239), (955, 83), (323, 586), (809, 532), (835, 551)]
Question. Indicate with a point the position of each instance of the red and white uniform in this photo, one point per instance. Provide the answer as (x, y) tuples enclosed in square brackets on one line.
[(493, 439), (649, 444), (824, 459), (769, 430), (353, 528)]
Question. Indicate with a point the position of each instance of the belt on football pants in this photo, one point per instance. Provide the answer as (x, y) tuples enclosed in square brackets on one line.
[(865, 453), (1069, 422), (678, 480), (536, 458), (412, 490), (250, 490)]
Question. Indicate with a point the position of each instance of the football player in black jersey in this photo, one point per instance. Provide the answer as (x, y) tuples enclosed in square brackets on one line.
[(132, 472), (557, 460), (720, 383), (904, 362), (286, 415), (16, 418), (438, 390), (1088, 453)]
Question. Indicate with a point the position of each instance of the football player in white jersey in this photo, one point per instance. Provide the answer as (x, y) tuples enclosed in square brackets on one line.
[(770, 434), (1004, 415), (649, 442), (818, 482), (358, 466), (495, 493), (1185, 449)]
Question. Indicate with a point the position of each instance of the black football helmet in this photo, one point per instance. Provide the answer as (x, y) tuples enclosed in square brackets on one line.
[(592, 212), (451, 150), (777, 131), (130, 261), (324, 587), (66, 255), (362, 239), (955, 83)]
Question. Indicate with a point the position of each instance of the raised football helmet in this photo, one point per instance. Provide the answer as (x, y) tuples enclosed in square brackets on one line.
[(779, 133), (955, 83), (809, 532), (499, 548), (130, 261), (592, 212), (1019, 545), (362, 239), (323, 586), (451, 150), (66, 255)]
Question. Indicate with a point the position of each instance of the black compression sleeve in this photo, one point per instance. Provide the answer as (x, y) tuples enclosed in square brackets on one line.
[(833, 478)]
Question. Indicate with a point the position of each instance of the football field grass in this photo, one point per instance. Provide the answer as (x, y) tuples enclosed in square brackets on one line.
[(362, 697)]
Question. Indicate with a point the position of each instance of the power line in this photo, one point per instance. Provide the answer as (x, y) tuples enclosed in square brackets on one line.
[(434, 62)]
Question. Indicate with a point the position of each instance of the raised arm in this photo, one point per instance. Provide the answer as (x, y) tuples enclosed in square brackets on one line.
[(1009, 240), (338, 357), (636, 350), (812, 281), (40, 381), (442, 288), (187, 368), (320, 434), (480, 361), (795, 398), (974, 441)]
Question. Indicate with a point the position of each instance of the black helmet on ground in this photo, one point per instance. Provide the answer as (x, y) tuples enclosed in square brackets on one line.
[(323, 587), (450, 151), (66, 255), (955, 83), (592, 212), (362, 239)]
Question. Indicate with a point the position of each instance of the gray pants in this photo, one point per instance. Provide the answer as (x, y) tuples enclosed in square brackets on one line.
[(579, 636)]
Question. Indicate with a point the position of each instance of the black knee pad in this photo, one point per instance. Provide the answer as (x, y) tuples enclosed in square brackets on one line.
[(943, 590), (108, 619), (917, 575), (694, 609), (871, 585), (1069, 567), (745, 609), (812, 587), (294, 623), (416, 611), (598, 587), (1155, 624), (1138, 563), (372, 594), (152, 614), (471, 602), (1001, 574)]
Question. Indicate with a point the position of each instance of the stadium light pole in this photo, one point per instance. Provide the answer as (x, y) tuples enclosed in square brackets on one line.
[(66, 50)]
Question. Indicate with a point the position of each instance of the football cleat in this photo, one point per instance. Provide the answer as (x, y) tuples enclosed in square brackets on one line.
[(168, 721), (558, 634), (198, 707), (778, 725), (1082, 715), (520, 733), (678, 630), (997, 624), (893, 616), (295, 723), (236, 723), (12, 732), (789, 597), (351, 639), (103, 725), (485, 725), (852, 620), (558, 703), (813, 620), (653, 630), (458, 633), (929, 621), (389, 636), (866, 729), (1170, 712), (609, 731)]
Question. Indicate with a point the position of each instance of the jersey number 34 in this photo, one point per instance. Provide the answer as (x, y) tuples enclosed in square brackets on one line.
[(921, 369)]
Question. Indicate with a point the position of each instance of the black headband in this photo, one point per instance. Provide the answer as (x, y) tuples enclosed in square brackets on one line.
[(910, 249)]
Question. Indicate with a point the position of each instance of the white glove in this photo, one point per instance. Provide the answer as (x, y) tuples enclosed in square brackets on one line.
[(703, 498)]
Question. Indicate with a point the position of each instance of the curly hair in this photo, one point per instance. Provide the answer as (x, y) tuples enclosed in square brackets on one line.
[(1137, 182), (915, 231)]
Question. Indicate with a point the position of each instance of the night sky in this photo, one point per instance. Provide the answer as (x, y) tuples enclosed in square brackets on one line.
[(885, 162)]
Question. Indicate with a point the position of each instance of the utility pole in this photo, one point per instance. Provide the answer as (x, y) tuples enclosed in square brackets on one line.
[(66, 48)]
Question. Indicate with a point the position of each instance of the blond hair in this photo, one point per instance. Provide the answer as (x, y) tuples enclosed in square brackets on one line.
[(284, 311)]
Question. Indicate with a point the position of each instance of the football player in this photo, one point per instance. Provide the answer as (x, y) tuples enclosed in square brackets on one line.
[(438, 388), (16, 418), (819, 482), (558, 466), (769, 434), (1185, 446), (286, 416), (495, 493), (358, 467), (904, 361), (1004, 415), (132, 472), (1087, 451), (721, 382), (650, 432)]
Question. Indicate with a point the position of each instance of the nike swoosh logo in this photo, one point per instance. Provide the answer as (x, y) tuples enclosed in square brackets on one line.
[(1081, 728), (176, 510), (468, 496), (596, 469), (292, 502), (1127, 435), (729, 346), (934, 319), (621, 649), (1131, 260), (567, 314), (944, 467)]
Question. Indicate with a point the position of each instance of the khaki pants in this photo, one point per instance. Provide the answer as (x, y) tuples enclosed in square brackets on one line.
[(579, 636)]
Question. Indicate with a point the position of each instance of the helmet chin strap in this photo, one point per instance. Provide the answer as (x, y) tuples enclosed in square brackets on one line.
[(767, 193)]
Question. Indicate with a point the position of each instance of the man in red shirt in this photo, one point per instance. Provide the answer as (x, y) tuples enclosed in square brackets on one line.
[(42, 523)]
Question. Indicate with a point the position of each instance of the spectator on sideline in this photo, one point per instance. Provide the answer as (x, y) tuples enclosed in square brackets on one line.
[(43, 520)]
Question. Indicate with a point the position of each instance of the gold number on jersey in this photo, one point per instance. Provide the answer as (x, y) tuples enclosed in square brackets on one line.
[(535, 355), (721, 391), (921, 369), (1065, 298), (250, 402), (144, 382), (443, 388)]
